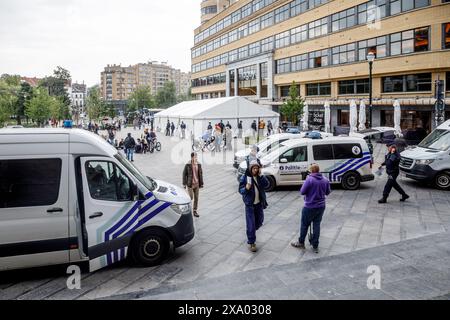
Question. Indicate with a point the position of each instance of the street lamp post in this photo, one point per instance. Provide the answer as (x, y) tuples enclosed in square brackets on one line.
[(371, 59)]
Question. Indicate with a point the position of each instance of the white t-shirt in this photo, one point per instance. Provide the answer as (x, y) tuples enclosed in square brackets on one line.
[(257, 200)]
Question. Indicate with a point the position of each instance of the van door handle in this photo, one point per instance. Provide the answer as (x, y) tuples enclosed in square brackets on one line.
[(55, 210), (96, 215)]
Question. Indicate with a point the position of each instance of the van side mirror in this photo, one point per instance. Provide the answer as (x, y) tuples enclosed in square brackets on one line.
[(283, 160)]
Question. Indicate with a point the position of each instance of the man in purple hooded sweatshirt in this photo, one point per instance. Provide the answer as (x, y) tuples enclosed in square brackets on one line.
[(315, 189)]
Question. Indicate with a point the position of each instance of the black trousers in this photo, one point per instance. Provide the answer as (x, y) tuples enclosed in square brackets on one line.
[(392, 183)]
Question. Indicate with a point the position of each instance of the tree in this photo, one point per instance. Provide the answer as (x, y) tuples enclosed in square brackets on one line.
[(41, 106), (94, 104), (62, 74), (8, 101), (25, 94), (167, 96), (56, 87), (292, 109), (141, 98)]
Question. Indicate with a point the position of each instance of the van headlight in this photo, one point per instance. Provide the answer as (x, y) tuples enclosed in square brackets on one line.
[(425, 162), (181, 208)]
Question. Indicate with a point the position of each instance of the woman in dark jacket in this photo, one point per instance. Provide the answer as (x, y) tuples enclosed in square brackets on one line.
[(251, 187), (392, 162)]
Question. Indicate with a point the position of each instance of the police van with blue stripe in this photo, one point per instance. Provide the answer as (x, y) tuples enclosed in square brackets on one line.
[(343, 160), (67, 196)]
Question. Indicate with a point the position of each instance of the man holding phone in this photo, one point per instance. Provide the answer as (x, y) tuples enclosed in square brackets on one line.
[(251, 187)]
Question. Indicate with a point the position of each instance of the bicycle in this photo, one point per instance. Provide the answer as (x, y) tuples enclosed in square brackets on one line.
[(154, 145), (200, 144)]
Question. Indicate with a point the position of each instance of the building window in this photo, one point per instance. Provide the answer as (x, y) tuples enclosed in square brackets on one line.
[(318, 89), (409, 41), (344, 54), (243, 32), (264, 80), (235, 16), (267, 44), (282, 40), (298, 7), (318, 28), (282, 13), (299, 63), (360, 86), (447, 81), (232, 82), (209, 10), (376, 46), (253, 26), (318, 59), (371, 11), (299, 34), (243, 52), (407, 83), (344, 19), (446, 36), (267, 20), (246, 11), (254, 49), (247, 81), (283, 65), (398, 6)]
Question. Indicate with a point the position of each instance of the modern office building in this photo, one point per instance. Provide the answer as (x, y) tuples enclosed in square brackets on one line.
[(259, 48), (210, 8), (118, 83)]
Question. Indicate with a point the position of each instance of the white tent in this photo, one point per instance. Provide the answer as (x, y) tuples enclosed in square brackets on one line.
[(306, 117), (362, 116), (353, 116), (198, 113), (327, 116), (397, 116)]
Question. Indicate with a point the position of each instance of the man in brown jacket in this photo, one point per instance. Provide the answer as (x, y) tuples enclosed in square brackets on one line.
[(193, 180)]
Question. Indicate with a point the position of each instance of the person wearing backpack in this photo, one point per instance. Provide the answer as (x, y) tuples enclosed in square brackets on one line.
[(129, 145)]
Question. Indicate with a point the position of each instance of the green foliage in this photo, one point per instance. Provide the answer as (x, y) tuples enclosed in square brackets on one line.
[(96, 108), (141, 98), (8, 101), (292, 109), (62, 74), (41, 106), (167, 96)]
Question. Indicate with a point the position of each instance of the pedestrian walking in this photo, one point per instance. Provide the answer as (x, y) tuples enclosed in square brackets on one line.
[(183, 130), (270, 128), (129, 145), (222, 126), (210, 126), (392, 162), (228, 139), (168, 128), (172, 129), (193, 180), (251, 187), (254, 128), (217, 139), (240, 130), (228, 125), (262, 126), (315, 189)]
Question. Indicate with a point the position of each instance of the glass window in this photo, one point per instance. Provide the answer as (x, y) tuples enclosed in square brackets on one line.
[(299, 154), (284, 91), (243, 31), (299, 34), (107, 182), (283, 65), (267, 20), (323, 152), (254, 49), (267, 44), (446, 36), (282, 39), (318, 89), (298, 7), (282, 13), (347, 151), (254, 26), (299, 63), (438, 140), (407, 83), (318, 59), (29, 183), (318, 28), (344, 19), (344, 54)]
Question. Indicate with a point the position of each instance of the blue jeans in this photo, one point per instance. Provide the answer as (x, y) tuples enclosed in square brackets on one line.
[(309, 216), (130, 153), (255, 218)]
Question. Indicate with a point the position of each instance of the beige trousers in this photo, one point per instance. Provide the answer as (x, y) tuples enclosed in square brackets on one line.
[(193, 193)]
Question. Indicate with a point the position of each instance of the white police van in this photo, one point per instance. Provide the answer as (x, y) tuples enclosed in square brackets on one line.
[(272, 142), (67, 196), (430, 160), (343, 160)]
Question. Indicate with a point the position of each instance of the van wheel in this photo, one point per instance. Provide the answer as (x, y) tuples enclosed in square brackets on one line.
[(351, 181), (272, 184), (150, 248), (442, 180)]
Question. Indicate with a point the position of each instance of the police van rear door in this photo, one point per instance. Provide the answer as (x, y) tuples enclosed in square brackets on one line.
[(293, 164)]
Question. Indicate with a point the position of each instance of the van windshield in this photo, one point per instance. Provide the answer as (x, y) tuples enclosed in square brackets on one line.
[(438, 140), (148, 182)]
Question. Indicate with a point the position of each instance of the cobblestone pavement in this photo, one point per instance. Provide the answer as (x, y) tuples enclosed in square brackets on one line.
[(353, 221)]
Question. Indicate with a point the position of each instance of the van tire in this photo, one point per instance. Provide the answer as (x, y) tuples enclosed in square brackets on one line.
[(272, 184), (351, 181), (442, 180), (150, 248)]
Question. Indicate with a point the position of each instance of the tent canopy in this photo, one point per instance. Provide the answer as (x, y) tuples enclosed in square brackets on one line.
[(220, 108)]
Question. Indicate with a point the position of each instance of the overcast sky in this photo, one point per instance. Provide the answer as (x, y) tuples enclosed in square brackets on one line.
[(86, 35)]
